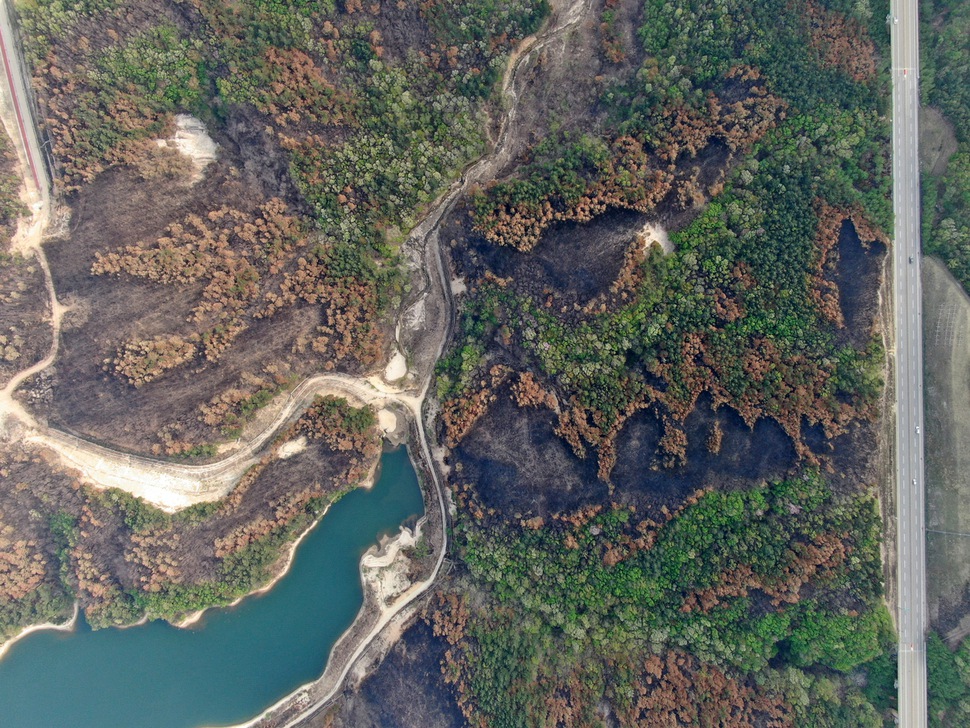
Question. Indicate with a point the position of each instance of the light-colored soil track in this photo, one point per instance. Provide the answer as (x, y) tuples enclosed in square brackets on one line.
[(173, 486), (423, 332)]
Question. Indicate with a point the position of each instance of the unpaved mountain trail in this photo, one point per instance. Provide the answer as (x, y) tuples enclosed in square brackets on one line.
[(423, 330), (172, 485)]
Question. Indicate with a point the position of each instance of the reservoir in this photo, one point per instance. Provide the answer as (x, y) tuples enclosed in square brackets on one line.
[(233, 665)]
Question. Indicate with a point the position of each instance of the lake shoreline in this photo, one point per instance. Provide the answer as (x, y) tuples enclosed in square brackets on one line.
[(67, 626), (298, 623), (366, 483), (372, 619), (192, 619)]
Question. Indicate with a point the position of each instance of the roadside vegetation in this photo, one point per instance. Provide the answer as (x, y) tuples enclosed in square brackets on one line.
[(10, 205), (945, 64), (948, 682)]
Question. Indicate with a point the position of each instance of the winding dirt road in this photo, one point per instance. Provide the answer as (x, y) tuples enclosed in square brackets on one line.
[(172, 485)]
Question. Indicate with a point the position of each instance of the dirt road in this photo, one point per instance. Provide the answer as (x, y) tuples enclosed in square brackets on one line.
[(424, 328)]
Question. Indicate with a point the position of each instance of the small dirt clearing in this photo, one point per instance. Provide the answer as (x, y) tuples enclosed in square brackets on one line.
[(655, 235), (291, 448), (396, 368), (192, 140)]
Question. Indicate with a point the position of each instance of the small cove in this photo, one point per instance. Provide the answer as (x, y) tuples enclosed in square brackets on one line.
[(237, 661)]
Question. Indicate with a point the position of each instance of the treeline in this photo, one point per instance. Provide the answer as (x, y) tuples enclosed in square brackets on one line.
[(945, 69), (617, 579), (578, 179)]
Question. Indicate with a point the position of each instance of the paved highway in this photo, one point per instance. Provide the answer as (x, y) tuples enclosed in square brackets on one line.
[(908, 301), (14, 81)]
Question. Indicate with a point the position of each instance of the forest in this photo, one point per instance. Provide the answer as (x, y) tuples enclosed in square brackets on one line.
[(756, 134), (945, 64), (743, 604), (949, 681), (745, 310), (770, 594), (337, 125)]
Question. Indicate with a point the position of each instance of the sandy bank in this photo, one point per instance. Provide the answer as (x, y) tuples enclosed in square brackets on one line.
[(67, 626)]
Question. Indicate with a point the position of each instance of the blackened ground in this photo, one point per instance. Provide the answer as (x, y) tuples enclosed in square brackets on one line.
[(119, 209), (90, 402), (857, 277), (852, 462), (746, 455), (710, 166), (405, 691), (521, 467), (576, 261), (246, 139)]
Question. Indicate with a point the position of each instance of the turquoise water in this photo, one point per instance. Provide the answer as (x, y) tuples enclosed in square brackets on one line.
[(238, 662)]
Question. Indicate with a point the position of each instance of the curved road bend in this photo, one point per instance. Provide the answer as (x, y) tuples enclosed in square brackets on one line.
[(908, 304), (566, 14)]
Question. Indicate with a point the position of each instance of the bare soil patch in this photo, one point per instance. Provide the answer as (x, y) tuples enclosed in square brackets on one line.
[(946, 331)]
